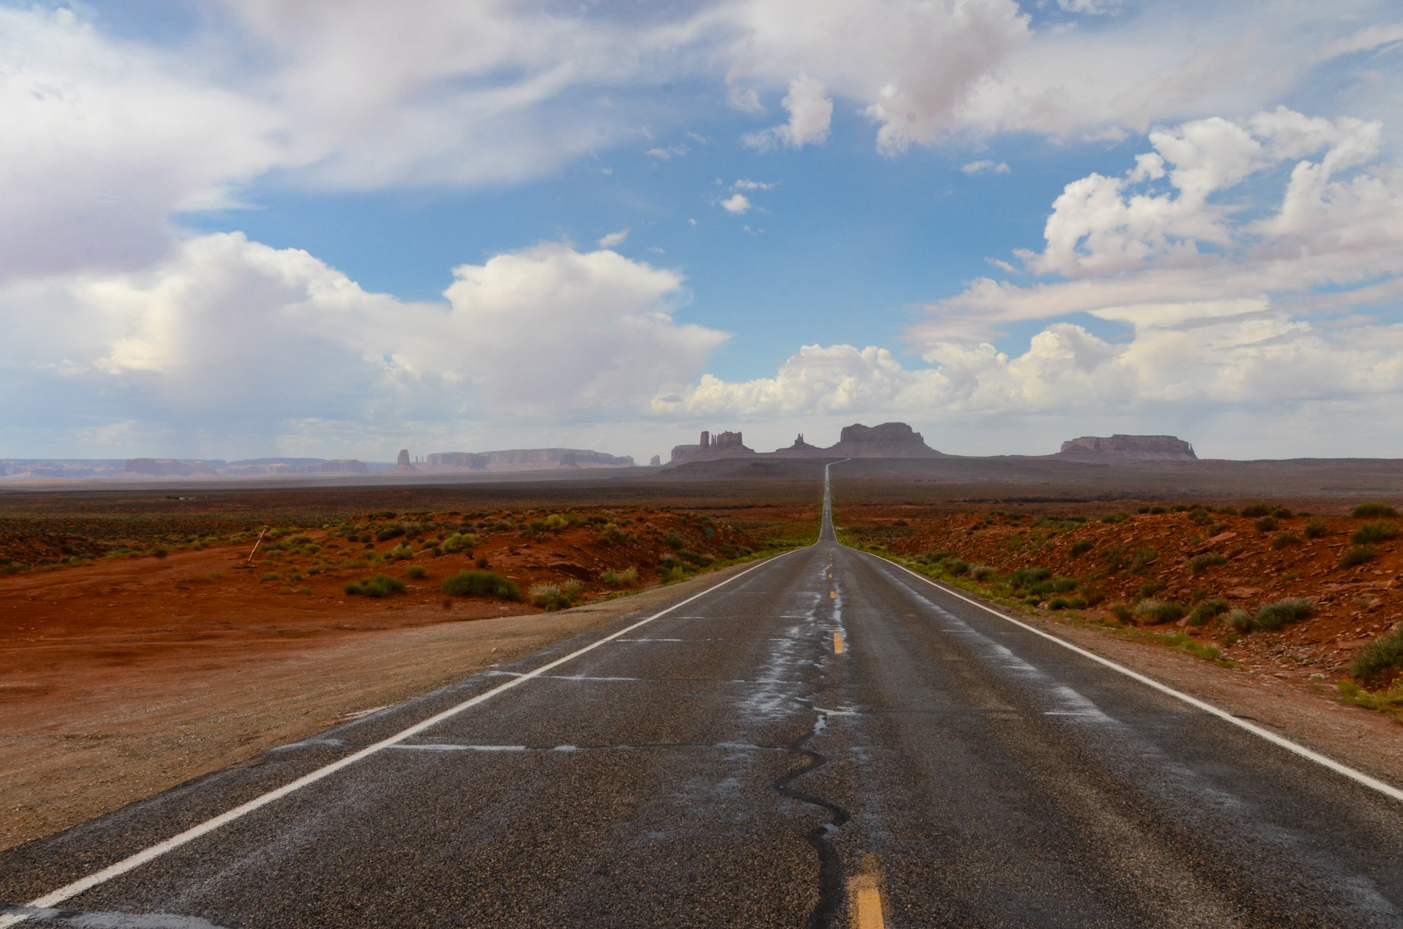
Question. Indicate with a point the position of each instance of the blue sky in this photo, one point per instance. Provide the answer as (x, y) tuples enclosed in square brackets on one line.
[(339, 229)]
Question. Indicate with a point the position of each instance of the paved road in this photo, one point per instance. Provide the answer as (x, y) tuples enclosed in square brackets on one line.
[(824, 730)]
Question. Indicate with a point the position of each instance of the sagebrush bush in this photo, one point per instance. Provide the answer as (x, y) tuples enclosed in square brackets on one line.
[(1266, 524), (1257, 509), (1081, 547), (1373, 533), (982, 573), (1158, 612), (1025, 577), (459, 541), (1207, 610), (1373, 511), (1115, 517), (556, 597), (956, 566), (1201, 563), (1275, 615), (415, 571), (1357, 556), (389, 532), (673, 540), (1316, 529), (381, 585), (1121, 612), (1380, 655), (1285, 540), (480, 584)]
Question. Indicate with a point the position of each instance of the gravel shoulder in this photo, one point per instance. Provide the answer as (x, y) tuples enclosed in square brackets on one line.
[(70, 753)]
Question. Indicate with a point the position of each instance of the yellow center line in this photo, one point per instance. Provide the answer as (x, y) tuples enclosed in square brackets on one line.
[(865, 896), (833, 595), (837, 643)]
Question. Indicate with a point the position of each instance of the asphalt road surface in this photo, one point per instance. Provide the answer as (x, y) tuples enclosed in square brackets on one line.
[(825, 740)]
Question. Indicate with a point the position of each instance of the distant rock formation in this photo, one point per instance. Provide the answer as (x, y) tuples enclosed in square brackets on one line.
[(889, 440), (683, 452), (657, 460), (525, 459), (402, 464), (1129, 447), (724, 445), (171, 467), (801, 449)]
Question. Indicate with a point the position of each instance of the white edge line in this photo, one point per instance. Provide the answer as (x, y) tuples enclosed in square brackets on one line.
[(131, 862), (1354, 775)]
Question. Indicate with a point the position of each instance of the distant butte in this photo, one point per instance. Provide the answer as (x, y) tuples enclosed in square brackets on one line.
[(1129, 448)]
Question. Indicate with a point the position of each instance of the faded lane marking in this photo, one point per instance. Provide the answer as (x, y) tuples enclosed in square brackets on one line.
[(865, 901), (837, 643), (152, 852)]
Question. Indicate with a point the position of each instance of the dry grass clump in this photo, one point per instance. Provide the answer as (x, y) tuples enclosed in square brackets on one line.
[(480, 584), (1158, 612), (381, 585)]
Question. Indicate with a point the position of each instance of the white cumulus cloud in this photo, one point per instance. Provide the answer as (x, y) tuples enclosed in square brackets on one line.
[(810, 115), (985, 166), (613, 238), (736, 203)]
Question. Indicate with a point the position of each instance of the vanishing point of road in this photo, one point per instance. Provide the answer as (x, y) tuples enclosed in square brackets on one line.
[(824, 739)]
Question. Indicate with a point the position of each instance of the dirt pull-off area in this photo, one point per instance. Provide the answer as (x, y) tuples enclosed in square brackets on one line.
[(127, 675)]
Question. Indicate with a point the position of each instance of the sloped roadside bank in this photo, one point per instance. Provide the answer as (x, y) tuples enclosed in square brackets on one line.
[(1308, 715)]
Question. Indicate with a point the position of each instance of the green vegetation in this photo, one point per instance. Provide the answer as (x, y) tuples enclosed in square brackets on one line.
[(1275, 615), (1266, 524), (1382, 654), (1118, 517), (1081, 547), (1201, 563), (625, 578), (415, 571), (1357, 556), (480, 584), (1257, 509), (400, 551), (1375, 532), (1183, 642), (1316, 529), (459, 541), (552, 597), (1207, 610), (381, 585), (1285, 540), (1159, 612), (1388, 701), (1373, 511)]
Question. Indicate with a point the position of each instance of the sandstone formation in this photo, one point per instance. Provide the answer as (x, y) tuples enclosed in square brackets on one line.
[(525, 459), (889, 440), (657, 460), (1129, 448), (402, 464), (801, 449), (725, 445)]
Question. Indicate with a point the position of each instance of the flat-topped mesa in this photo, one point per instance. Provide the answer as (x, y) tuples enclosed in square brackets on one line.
[(1129, 448), (722, 445), (889, 440), (171, 467), (525, 459)]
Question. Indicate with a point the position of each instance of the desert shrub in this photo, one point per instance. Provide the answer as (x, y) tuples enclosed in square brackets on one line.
[(1282, 513), (1063, 585), (673, 540), (1081, 547), (1275, 615), (400, 551), (1200, 563), (1158, 612), (1373, 511), (1116, 557), (1158, 510), (694, 558), (956, 566), (480, 584), (389, 532), (1382, 654), (1373, 533), (557, 523), (1316, 528), (416, 571), (381, 585), (271, 576), (1239, 619), (459, 541), (556, 597), (1024, 577), (1121, 612), (1207, 610), (1226, 510), (625, 578), (1357, 556), (480, 561), (1144, 557), (1115, 517), (1058, 603), (1265, 524), (613, 535), (982, 573), (1257, 509), (1285, 540)]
